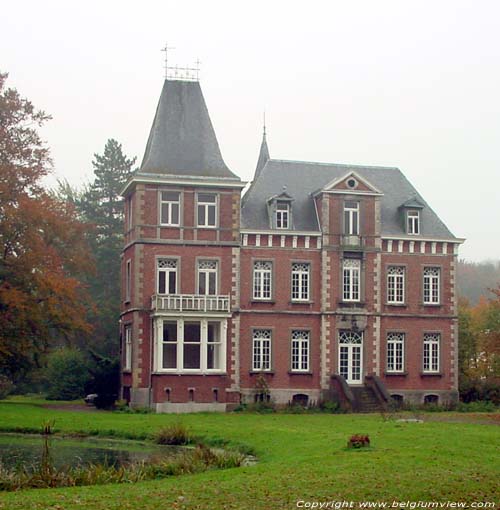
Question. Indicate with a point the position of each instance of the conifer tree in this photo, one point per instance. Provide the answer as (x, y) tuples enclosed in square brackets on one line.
[(102, 206)]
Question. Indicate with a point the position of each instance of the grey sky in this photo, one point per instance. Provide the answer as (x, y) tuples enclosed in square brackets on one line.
[(414, 84)]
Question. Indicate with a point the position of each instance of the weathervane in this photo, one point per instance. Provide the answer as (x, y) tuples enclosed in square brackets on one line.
[(180, 73)]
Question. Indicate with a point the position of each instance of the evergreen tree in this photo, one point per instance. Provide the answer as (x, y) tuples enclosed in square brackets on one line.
[(102, 206)]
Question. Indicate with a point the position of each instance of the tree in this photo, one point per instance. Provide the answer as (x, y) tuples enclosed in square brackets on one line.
[(102, 206), (67, 374), (43, 253)]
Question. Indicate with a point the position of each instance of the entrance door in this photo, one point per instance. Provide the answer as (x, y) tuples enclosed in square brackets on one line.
[(351, 356)]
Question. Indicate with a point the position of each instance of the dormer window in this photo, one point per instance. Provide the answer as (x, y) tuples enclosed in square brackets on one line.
[(413, 222), (410, 216), (279, 208), (282, 215)]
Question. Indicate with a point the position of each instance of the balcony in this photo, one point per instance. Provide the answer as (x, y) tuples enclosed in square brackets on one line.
[(190, 303), (352, 242)]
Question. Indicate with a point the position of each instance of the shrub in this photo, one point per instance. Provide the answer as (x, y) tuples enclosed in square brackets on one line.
[(476, 390), (6, 386), (104, 380), (67, 373), (358, 441), (174, 434), (329, 406), (477, 407)]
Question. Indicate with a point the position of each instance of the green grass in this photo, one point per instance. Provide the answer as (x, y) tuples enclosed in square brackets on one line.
[(300, 457)]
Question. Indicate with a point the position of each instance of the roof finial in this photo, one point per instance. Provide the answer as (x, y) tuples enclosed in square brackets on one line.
[(264, 126)]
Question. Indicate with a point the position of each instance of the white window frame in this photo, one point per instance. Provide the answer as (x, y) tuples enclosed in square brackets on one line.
[(206, 205), (351, 218), (170, 206), (282, 215), (396, 285), (127, 348), (431, 361), (350, 355), (171, 266), (261, 350), (206, 268), (128, 280), (204, 345), (432, 285), (300, 350), (413, 222), (351, 280), (262, 280), (300, 278), (395, 352)]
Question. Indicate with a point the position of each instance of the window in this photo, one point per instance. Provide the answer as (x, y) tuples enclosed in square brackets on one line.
[(167, 276), (191, 345), (395, 284), (207, 210), (431, 352), (413, 222), (214, 346), (351, 218), (262, 271), (169, 208), (300, 281), (395, 352), (169, 350), (300, 351), (207, 277), (431, 285), (282, 215), (130, 212), (261, 350), (128, 280), (431, 399), (127, 354), (351, 277)]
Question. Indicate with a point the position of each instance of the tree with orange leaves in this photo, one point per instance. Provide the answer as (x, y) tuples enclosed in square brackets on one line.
[(42, 246)]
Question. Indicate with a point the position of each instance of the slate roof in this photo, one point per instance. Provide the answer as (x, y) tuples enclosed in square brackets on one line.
[(302, 179), (182, 140)]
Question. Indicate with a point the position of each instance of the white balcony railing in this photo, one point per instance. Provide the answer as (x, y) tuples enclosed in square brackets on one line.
[(190, 303)]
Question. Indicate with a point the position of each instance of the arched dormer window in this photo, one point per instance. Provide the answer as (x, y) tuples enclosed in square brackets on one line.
[(280, 211)]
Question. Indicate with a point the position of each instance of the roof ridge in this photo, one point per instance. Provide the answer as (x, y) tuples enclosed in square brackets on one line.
[(346, 165)]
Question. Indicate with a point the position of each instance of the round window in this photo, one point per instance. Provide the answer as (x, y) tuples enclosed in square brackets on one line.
[(352, 183)]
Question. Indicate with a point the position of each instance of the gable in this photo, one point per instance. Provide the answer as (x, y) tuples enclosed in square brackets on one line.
[(352, 182)]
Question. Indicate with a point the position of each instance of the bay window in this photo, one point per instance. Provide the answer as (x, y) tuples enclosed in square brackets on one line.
[(190, 345)]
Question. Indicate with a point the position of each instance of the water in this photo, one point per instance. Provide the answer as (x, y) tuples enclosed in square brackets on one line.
[(26, 451)]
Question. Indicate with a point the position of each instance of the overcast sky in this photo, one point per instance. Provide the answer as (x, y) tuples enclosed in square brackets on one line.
[(413, 84)]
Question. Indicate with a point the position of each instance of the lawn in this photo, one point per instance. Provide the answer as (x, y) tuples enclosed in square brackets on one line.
[(301, 457)]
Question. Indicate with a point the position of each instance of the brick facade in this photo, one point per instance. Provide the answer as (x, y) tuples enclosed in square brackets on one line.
[(218, 374)]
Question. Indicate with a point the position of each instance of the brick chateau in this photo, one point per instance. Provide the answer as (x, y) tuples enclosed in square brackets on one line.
[(326, 281)]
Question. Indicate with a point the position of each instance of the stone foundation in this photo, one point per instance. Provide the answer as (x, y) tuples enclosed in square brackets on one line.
[(415, 397), (190, 407), (281, 396)]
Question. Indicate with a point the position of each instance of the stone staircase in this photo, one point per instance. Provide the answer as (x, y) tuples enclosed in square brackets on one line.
[(365, 400)]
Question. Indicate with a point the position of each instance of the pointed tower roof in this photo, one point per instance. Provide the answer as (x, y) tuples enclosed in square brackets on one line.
[(182, 140), (263, 155)]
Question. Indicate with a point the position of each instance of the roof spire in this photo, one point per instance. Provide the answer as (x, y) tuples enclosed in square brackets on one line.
[(264, 152)]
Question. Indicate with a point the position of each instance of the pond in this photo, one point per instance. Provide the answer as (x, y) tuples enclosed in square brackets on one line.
[(20, 450)]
